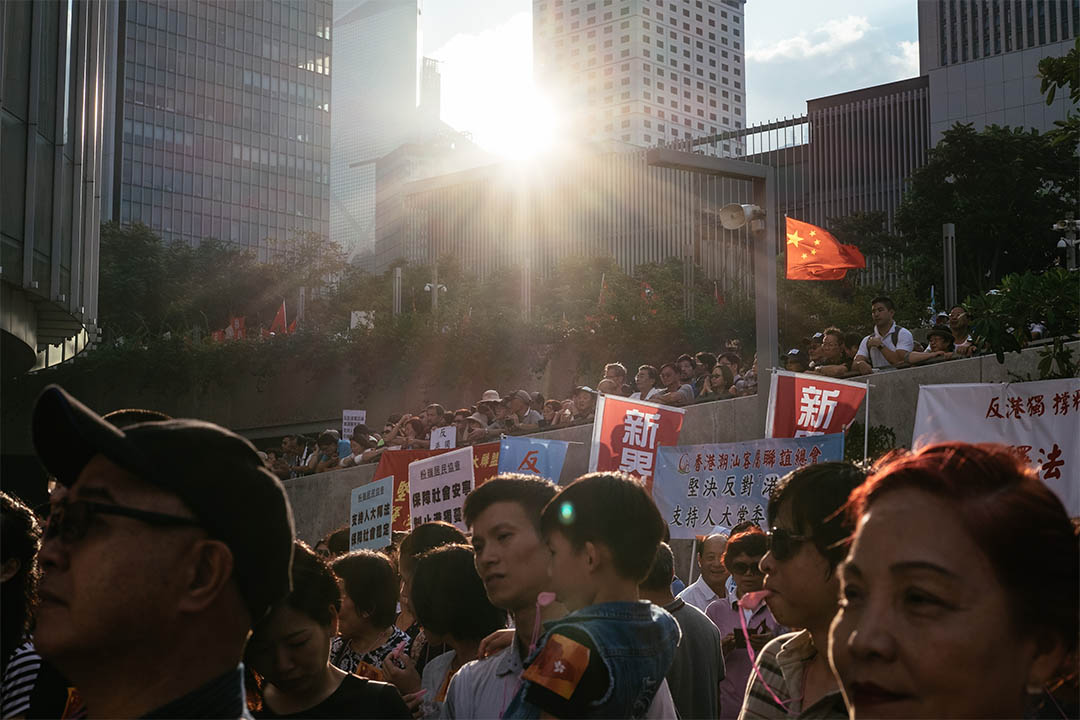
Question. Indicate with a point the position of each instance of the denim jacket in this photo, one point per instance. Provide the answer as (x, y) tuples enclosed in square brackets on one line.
[(636, 642)]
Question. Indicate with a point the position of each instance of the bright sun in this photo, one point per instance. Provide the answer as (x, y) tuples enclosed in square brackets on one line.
[(488, 91)]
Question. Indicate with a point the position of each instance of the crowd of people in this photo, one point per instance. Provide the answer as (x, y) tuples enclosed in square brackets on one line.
[(688, 379), (164, 579), (836, 353)]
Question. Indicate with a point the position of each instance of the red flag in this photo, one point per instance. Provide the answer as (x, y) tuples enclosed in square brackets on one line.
[(292, 326), (279, 325), (237, 329), (716, 294), (801, 404), (627, 432), (814, 254)]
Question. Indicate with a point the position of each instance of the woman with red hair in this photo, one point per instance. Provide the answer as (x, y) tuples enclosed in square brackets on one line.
[(959, 594)]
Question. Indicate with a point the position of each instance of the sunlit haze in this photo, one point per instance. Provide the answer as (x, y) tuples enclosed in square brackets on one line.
[(487, 90), (796, 50)]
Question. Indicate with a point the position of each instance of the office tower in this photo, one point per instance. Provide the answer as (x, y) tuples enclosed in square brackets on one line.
[(224, 112), (982, 59), (376, 88), (52, 122), (644, 72)]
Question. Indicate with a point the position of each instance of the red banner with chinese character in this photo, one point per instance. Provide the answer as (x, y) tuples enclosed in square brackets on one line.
[(802, 404), (1039, 420), (627, 433), (396, 463)]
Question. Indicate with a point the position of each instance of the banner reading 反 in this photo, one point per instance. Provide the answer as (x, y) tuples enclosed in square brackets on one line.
[(627, 434), (698, 487), (801, 404), (1040, 420)]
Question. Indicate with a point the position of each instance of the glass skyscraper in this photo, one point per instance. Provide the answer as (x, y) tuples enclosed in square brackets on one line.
[(224, 119), (52, 123), (377, 67)]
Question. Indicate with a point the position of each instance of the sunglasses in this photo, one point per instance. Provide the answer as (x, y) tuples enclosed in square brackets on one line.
[(783, 544), (742, 568), (70, 521)]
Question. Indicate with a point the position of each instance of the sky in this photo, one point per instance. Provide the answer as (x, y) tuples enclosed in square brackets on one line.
[(795, 50)]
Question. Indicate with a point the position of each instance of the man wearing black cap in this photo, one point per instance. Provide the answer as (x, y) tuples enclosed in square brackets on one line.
[(171, 540)]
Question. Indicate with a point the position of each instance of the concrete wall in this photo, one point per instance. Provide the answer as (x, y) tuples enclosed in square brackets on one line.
[(320, 502)]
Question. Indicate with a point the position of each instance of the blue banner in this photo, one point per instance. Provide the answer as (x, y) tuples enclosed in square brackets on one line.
[(532, 456), (698, 487)]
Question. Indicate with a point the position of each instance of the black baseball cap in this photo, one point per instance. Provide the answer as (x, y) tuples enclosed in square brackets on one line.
[(214, 471)]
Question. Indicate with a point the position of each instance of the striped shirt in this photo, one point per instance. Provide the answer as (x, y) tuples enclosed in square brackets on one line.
[(19, 679), (782, 664)]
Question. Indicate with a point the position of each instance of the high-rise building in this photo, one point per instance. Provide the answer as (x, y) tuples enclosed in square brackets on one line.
[(376, 92), (224, 119), (644, 72), (52, 124), (982, 58)]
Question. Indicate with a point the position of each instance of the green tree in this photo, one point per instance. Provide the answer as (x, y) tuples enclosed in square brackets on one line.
[(1058, 73), (1003, 188)]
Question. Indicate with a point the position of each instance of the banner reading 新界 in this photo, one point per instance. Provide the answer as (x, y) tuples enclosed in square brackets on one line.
[(698, 487), (802, 404), (628, 433), (1039, 420)]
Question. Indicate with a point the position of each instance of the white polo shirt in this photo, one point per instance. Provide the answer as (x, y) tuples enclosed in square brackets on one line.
[(904, 341)]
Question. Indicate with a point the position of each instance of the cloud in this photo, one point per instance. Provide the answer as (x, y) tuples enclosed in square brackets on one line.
[(907, 60), (826, 39)]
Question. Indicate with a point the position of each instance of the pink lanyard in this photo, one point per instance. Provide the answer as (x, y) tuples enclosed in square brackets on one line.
[(542, 601), (750, 601)]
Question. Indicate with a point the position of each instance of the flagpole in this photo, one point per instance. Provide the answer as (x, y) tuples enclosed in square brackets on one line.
[(866, 424)]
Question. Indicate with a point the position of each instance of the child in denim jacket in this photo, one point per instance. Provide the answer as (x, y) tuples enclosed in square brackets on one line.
[(609, 656)]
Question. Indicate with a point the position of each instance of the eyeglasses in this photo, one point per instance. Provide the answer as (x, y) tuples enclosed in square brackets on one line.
[(742, 568), (70, 521), (783, 544)]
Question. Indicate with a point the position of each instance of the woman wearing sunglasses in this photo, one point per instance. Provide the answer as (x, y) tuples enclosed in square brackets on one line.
[(960, 592), (742, 557), (806, 543)]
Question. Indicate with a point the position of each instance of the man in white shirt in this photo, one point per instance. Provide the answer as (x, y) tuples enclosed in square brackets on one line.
[(889, 344), (713, 581)]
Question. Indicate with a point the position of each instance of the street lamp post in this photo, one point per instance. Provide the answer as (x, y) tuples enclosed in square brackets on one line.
[(1068, 242), (763, 181)]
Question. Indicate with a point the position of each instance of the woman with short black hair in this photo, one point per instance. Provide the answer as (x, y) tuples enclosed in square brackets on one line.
[(452, 605), (289, 655)]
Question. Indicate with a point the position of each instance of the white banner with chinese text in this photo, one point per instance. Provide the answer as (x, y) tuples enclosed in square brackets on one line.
[(698, 487), (438, 486), (1040, 420)]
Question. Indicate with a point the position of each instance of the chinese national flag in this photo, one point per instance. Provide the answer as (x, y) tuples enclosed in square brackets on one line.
[(814, 254)]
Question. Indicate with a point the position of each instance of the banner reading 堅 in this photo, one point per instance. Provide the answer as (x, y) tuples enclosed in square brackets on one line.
[(627, 434), (1040, 420), (698, 487)]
